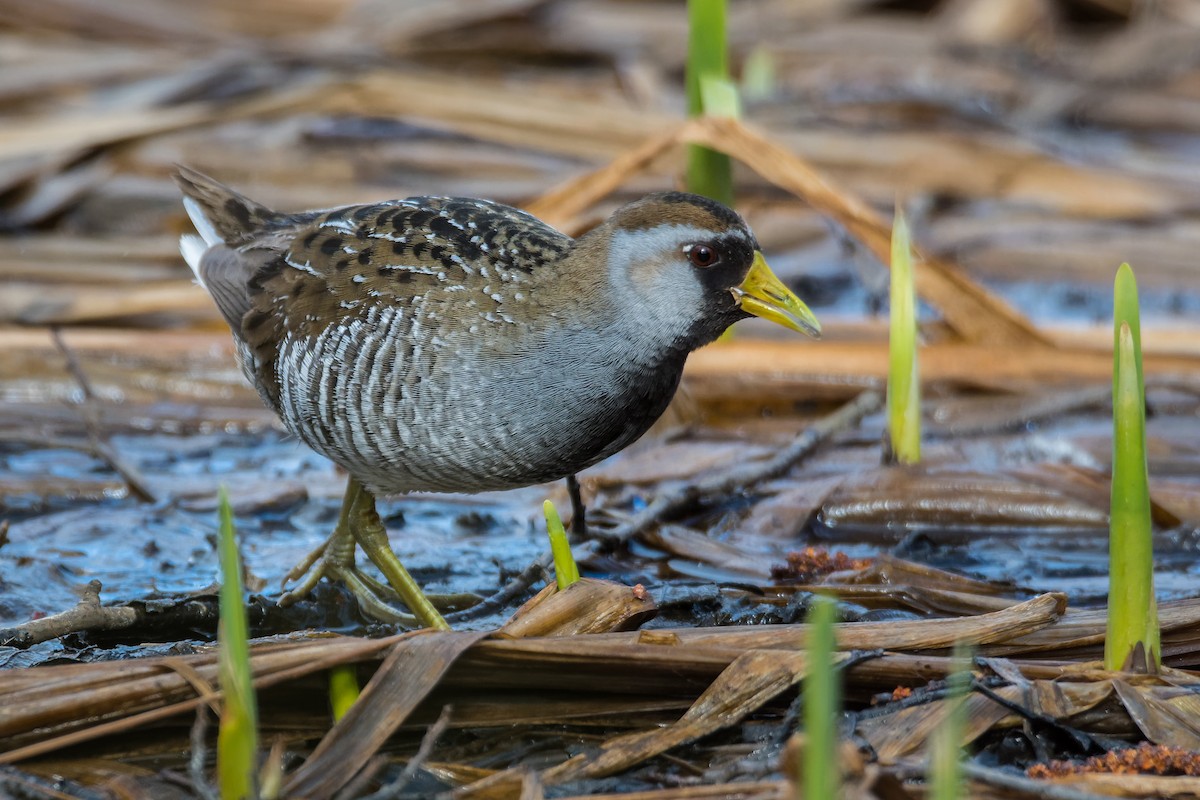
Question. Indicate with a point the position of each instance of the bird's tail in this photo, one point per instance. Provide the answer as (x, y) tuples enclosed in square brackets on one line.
[(221, 215)]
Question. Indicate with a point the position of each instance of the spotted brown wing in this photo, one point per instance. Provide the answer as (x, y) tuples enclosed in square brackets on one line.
[(333, 268)]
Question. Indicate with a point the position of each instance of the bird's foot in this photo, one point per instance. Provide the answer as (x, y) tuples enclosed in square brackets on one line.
[(334, 560), (360, 524)]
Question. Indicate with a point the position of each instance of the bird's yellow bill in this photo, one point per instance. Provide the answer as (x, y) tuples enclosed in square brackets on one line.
[(764, 295)]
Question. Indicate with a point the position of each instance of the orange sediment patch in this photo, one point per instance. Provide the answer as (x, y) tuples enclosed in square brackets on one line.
[(804, 566), (1146, 758)]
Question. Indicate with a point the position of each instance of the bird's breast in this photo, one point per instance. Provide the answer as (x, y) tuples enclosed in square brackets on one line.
[(408, 409)]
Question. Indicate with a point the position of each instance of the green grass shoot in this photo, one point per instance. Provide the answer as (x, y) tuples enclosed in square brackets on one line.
[(760, 80), (1132, 642), (720, 97), (565, 570), (904, 381), (945, 760), (343, 689), (708, 172), (822, 775), (237, 738)]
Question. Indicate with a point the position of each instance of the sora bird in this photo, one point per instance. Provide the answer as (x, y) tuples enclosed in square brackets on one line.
[(446, 344)]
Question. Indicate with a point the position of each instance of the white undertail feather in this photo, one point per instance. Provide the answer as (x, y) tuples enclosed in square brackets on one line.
[(203, 227), (193, 249), (193, 246)]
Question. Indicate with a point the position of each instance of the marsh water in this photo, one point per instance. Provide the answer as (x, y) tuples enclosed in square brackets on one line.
[(1008, 493), (1034, 146)]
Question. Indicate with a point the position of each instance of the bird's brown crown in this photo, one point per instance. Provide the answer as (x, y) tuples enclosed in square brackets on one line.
[(676, 208)]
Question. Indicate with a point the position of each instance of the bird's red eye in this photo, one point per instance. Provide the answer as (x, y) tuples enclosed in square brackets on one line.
[(701, 255)]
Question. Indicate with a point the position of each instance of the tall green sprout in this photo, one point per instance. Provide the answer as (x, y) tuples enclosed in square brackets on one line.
[(759, 79), (1133, 635), (237, 738), (904, 382), (945, 760), (566, 571), (822, 776), (708, 172)]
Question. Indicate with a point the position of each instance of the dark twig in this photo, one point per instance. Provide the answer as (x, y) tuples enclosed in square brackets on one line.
[(741, 476), (428, 742), (1020, 783), (198, 757), (90, 411), (804, 444), (1034, 408), (87, 615), (512, 590)]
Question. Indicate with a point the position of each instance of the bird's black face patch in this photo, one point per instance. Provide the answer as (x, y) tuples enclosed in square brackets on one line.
[(735, 253)]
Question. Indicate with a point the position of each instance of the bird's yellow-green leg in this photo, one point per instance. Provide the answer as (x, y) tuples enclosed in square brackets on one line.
[(359, 524), (372, 537)]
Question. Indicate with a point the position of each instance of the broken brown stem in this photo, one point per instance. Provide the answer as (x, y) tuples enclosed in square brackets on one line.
[(88, 615)]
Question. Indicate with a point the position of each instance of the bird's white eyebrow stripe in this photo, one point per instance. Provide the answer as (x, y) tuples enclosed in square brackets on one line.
[(666, 236)]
